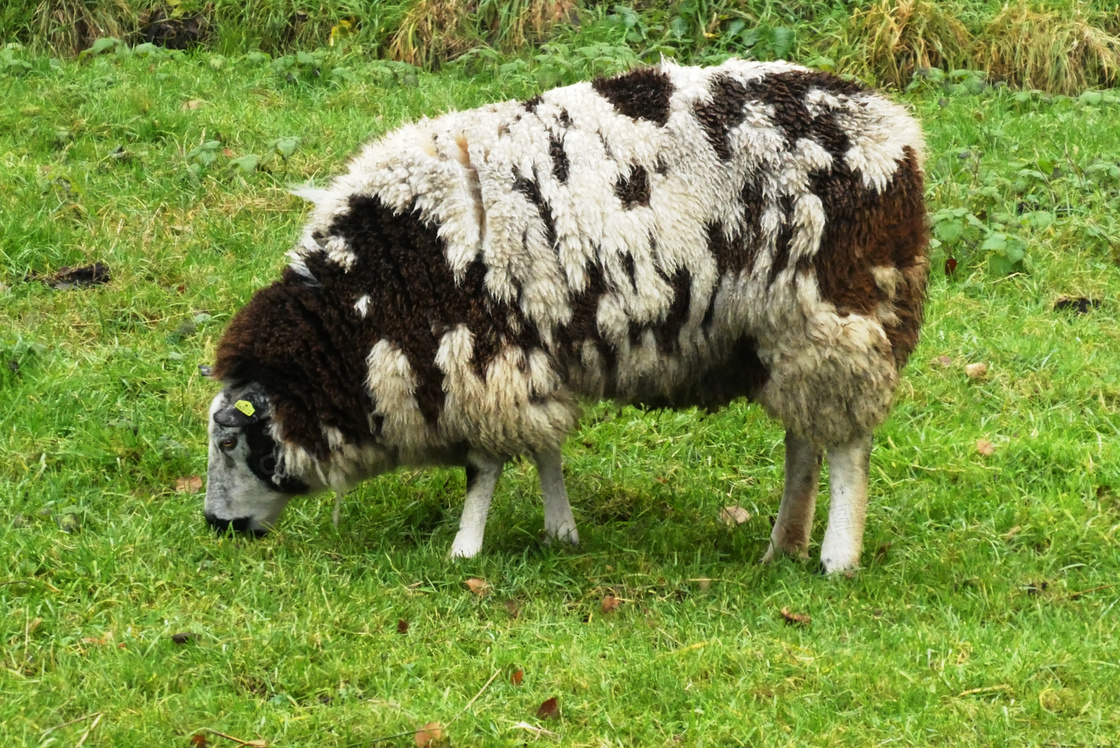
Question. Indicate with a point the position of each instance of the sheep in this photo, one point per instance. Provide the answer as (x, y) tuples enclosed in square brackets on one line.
[(671, 236)]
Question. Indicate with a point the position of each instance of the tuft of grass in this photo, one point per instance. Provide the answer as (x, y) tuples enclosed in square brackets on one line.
[(434, 31), (73, 25), (893, 39), (1059, 51)]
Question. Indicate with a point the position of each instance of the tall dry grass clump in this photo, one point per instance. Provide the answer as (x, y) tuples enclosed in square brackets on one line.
[(893, 38), (69, 26), (1064, 52), (436, 30)]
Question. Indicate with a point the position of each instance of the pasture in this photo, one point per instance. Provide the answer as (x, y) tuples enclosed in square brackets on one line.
[(987, 609)]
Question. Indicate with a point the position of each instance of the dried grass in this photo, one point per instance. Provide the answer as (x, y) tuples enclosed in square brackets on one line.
[(895, 38), (437, 30), (70, 26), (1060, 52)]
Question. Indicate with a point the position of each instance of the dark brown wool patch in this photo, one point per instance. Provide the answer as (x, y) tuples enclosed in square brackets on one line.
[(307, 345), (628, 266), (785, 236), (639, 94), (307, 354), (865, 230), (633, 188), (667, 333), (559, 158), (786, 92), (532, 192), (723, 114), (583, 324)]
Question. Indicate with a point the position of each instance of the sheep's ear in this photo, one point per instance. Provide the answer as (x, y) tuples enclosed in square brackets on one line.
[(251, 407)]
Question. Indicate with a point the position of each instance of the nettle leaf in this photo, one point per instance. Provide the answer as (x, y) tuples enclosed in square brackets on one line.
[(246, 164), (996, 242), (949, 233), (783, 41), (1039, 219), (285, 146), (104, 44)]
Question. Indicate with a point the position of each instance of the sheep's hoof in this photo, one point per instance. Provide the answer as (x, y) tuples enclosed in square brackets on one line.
[(831, 566), (564, 534), (467, 548), (774, 552)]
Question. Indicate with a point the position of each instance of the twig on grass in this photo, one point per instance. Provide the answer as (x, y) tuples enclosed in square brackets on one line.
[(471, 702), (31, 580), (1075, 595), (89, 730), (239, 741), (83, 718), (985, 689)]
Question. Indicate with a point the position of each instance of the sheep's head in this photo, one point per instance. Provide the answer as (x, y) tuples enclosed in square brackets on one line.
[(246, 487)]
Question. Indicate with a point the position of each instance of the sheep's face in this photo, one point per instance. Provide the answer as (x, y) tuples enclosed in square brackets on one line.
[(244, 490)]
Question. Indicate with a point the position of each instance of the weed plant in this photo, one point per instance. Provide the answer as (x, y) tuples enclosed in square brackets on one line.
[(987, 611)]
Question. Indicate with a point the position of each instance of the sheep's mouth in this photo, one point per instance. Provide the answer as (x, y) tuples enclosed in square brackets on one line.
[(240, 525)]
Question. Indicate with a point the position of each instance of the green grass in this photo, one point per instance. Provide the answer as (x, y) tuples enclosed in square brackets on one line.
[(984, 613)]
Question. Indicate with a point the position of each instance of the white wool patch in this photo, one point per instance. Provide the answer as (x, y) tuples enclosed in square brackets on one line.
[(362, 305)]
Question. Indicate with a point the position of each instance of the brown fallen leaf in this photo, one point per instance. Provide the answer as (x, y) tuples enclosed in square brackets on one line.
[(512, 608), (550, 709), (199, 740), (984, 447), (950, 265), (183, 638), (943, 361), (190, 106), (188, 484), (516, 676), (799, 619), (227, 153), (733, 515), (611, 603), (976, 371), (430, 736), (402, 626), (479, 587)]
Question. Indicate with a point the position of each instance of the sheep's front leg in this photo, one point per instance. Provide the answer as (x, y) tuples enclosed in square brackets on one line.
[(790, 536), (559, 524), (848, 468), (483, 471)]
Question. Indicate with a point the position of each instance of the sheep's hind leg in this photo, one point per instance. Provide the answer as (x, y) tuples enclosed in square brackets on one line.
[(790, 536), (483, 471), (559, 524), (848, 468)]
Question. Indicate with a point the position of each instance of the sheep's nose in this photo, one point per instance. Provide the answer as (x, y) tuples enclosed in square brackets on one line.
[(239, 526)]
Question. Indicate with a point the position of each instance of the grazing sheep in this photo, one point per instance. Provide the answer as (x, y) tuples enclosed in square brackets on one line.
[(672, 236)]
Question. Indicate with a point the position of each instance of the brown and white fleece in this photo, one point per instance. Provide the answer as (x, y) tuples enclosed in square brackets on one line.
[(671, 236)]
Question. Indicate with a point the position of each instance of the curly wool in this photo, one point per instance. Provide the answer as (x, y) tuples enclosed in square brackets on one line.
[(673, 236)]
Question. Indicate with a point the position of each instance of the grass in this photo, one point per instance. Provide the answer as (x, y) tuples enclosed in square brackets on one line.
[(1059, 46), (987, 612)]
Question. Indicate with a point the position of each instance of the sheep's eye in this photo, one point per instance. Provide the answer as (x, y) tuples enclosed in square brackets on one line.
[(228, 443)]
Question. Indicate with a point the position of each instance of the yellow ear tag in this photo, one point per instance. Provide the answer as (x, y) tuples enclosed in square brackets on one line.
[(245, 407)]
